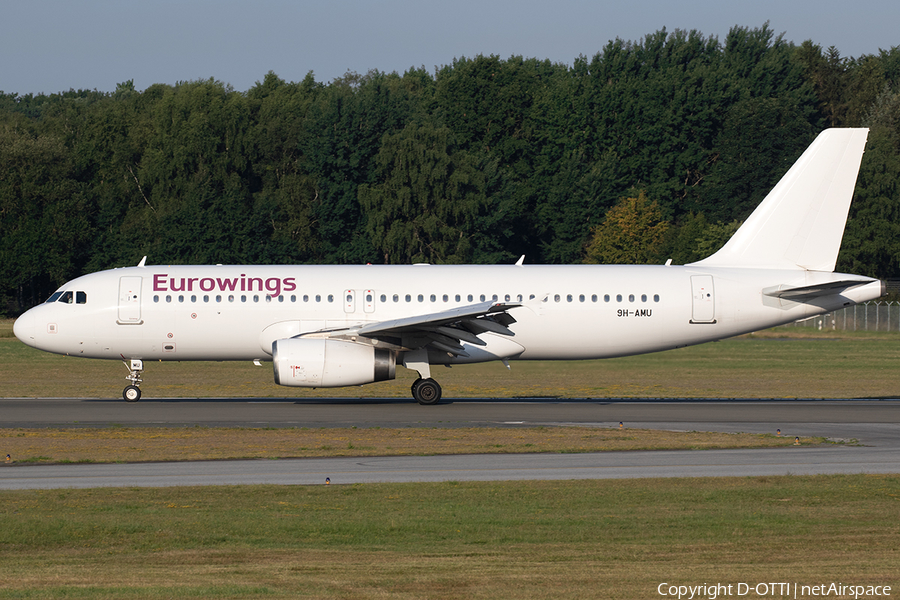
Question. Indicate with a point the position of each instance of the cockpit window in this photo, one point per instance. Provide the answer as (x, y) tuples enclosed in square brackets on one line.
[(69, 297)]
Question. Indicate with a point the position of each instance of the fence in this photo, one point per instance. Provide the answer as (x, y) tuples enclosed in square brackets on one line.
[(869, 316)]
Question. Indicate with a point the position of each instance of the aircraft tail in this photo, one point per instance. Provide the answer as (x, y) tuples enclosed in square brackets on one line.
[(799, 225)]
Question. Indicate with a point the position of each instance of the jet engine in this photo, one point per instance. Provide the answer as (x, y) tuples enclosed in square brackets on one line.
[(317, 362)]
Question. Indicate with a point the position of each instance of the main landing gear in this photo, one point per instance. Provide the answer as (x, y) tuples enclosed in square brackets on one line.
[(426, 391), (132, 393)]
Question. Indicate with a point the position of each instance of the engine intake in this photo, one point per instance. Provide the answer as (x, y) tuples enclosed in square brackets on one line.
[(315, 362)]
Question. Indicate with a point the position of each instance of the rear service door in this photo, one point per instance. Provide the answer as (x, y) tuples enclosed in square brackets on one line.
[(704, 299)]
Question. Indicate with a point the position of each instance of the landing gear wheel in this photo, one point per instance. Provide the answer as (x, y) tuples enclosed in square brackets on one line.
[(426, 391), (131, 393)]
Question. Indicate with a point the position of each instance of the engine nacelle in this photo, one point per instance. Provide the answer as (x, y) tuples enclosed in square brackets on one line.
[(316, 362)]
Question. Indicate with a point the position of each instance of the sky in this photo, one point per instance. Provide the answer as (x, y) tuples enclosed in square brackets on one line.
[(49, 46)]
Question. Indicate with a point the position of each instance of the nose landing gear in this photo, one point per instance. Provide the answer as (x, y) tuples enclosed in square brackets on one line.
[(132, 393)]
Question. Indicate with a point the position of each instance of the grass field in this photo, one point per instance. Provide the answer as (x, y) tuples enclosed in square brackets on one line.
[(782, 363), (139, 444), (579, 539)]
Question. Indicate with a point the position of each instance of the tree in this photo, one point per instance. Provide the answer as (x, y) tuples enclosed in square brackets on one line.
[(631, 233), (430, 204), (871, 244), (43, 218)]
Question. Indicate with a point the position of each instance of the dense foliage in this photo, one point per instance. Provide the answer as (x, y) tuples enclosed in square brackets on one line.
[(481, 161)]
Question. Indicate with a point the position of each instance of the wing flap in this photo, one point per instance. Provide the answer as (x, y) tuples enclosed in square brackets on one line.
[(445, 331)]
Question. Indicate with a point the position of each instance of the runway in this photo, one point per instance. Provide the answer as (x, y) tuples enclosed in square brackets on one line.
[(874, 424)]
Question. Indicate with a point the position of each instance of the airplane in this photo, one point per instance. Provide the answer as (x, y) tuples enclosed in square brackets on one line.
[(332, 326)]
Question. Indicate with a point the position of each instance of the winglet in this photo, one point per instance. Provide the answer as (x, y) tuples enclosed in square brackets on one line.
[(799, 225)]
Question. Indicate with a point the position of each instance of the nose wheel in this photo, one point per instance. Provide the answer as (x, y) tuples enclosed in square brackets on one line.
[(132, 393)]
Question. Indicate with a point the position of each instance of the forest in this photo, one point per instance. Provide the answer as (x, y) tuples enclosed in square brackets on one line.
[(646, 151)]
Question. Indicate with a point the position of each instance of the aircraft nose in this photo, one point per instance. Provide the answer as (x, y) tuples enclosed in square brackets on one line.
[(23, 328)]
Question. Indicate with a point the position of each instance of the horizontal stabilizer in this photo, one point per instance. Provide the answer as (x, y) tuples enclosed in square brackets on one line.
[(807, 292)]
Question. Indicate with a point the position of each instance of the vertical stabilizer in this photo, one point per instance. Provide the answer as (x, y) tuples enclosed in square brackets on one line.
[(799, 225)]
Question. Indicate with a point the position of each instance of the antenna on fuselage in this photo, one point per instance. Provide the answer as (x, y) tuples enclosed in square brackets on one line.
[(143, 261)]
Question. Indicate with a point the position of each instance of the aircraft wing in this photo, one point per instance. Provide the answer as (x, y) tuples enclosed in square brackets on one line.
[(445, 330)]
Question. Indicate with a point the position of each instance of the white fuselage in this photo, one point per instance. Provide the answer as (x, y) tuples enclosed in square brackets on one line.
[(567, 312)]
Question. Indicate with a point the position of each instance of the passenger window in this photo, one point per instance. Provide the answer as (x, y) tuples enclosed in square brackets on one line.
[(593, 297), (458, 297), (581, 298), (256, 297), (80, 298), (243, 298), (331, 297), (193, 298), (318, 297), (218, 298), (231, 298), (556, 298), (168, 298), (181, 298), (643, 297), (569, 298), (205, 298), (421, 298), (433, 298), (156, 298), (482, 297), (305, 298), (470, 297), (446, 298), (656, 297), (618, 297), (606, 297), (631, 297), (408, 298)]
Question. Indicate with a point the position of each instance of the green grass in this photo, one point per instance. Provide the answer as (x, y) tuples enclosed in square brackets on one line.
[(567, 539), (117, 444), (817, 365)]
